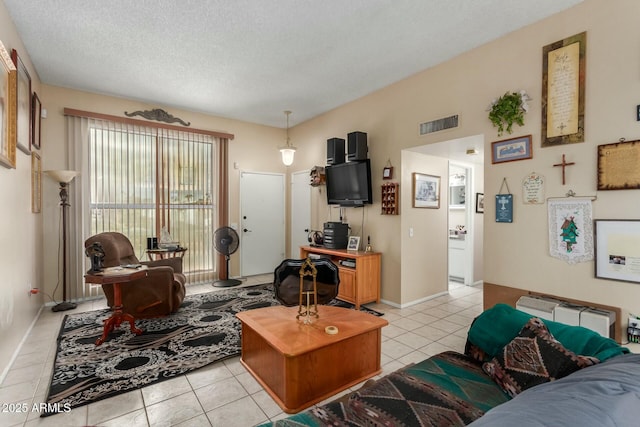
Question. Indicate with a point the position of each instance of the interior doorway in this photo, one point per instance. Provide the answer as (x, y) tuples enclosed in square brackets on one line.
[(460, 225), (467, 155)]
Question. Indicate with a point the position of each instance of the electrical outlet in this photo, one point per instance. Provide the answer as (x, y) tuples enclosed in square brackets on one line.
[(32, 290)]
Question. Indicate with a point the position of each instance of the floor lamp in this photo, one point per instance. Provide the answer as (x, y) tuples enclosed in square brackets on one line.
[(63, 177)]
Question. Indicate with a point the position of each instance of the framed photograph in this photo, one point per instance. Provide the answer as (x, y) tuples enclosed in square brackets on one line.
[(387, 172), (7, 109), (354, 243), (36, 116), (36, 183), (426, 191), (479, 202), (23, 104), (509, 150), (617, 249), (563, 84), (615, 170)]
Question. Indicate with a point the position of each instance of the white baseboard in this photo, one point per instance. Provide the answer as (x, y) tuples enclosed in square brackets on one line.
[(19, 347), (418, 301)]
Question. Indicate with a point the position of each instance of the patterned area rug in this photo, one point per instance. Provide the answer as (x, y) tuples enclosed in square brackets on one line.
[(203, 331)]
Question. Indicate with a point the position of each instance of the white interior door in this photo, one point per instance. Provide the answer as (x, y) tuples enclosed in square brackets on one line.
[(300, 212), (262, 216)]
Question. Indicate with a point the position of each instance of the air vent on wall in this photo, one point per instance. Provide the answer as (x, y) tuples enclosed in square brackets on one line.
[(440, 124)]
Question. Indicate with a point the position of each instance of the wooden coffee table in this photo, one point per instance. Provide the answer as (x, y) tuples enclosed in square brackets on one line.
[(299, 364)]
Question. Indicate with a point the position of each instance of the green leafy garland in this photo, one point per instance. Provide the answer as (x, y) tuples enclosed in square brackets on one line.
[(509, 109)]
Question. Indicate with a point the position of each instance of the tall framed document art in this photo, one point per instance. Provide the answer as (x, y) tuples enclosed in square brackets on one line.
[(563, 90), (7, 110)]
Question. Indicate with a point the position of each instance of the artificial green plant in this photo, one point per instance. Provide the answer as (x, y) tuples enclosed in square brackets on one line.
[(510, 108)]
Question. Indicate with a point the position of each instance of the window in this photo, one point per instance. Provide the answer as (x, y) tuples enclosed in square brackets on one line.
[(144, 180)]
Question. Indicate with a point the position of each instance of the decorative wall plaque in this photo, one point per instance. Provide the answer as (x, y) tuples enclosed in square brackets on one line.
[(158, 115), (563, 88), (619, 165), (533, 189), (504, 208)]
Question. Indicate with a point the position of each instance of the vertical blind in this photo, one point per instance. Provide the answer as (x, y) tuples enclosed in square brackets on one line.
[(146, 180)]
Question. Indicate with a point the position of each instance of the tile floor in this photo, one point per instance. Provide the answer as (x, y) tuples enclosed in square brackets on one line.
[(224, 394)]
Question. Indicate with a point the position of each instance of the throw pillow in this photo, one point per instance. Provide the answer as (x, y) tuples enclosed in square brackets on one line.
[(533, 357)]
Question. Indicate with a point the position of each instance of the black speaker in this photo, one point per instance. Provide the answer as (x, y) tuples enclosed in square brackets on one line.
[(357, 146), (335, 151)]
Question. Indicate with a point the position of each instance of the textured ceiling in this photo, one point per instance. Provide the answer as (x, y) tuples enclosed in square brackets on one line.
[(253, 59)]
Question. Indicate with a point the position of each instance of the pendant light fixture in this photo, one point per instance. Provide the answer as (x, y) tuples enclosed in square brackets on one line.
[(287, 151)]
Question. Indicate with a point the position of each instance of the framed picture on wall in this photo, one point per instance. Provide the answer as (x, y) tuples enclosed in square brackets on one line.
[(387, 172), (7, 109), (23, 106), (563, 90), (426, 191), (617, 249), (512, 149), (479, 202), (616, 171), (36, 183), (36, 116)]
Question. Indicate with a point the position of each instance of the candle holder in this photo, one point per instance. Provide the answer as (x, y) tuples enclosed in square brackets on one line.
[(308, 299)]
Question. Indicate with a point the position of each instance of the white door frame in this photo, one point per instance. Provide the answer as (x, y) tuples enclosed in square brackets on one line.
[(469, 204)]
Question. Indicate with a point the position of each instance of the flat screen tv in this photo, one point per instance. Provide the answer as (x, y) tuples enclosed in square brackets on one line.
[(349, 184)]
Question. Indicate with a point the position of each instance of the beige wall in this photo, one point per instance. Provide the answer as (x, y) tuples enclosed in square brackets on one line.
[(424, 256), (515, 254), (20, 232)]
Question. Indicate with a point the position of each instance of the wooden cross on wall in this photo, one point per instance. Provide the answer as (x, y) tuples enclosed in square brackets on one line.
[(564, 164)]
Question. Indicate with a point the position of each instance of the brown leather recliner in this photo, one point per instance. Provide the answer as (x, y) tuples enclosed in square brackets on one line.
[(158, 294)]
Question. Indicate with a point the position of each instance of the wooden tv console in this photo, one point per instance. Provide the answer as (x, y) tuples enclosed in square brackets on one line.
[(359, 284)]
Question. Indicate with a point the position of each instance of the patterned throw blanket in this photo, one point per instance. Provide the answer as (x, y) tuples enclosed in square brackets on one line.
[(449, 389)]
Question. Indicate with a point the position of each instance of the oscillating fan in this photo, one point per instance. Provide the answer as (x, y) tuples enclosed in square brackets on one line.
[(225, 240)]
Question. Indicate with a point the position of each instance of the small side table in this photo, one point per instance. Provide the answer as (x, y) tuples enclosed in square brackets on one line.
[(155, 254), (117, 276)]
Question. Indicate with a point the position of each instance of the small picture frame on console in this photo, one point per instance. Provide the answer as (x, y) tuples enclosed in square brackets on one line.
[(354, 243)]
